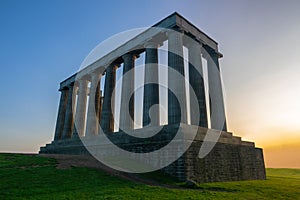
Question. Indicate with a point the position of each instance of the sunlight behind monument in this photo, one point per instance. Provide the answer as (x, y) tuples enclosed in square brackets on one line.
[(193, 143)]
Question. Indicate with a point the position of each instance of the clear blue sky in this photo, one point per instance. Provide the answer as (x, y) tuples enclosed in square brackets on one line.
[(44, 42)]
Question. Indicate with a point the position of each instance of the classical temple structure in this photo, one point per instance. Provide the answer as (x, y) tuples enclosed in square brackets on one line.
[(85, 114)]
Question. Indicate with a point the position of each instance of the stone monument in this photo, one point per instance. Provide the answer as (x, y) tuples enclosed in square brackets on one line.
[(204, 150)]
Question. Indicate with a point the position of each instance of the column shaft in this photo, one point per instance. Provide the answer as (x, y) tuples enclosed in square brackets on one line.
[(217, 110), (176, 62), (107, 120), (126, 122), (92, 124), (61, 114), (69, 118), (80, 115), (151, 91), (197, 83)]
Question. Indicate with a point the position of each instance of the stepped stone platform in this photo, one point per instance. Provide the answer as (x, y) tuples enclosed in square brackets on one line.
[(231, 158), (187, 152)]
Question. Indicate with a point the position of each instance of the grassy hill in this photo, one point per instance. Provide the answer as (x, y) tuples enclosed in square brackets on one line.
[(35, 177)]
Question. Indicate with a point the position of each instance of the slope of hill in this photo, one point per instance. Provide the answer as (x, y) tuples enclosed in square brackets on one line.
[(36, 177)]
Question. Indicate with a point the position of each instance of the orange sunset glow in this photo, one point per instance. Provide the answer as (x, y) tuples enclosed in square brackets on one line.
[(260, 67)]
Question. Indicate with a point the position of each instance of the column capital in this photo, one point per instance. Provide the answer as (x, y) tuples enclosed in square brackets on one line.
[(113, 65), (63, 89), (82, 81), (84, 78), (129, 56), (209, 52), (99, 70), (151, 45), (71, 85), (193, 44), (94, 76)]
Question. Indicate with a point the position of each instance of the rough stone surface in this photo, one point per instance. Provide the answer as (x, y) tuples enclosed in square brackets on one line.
[(231, 159)]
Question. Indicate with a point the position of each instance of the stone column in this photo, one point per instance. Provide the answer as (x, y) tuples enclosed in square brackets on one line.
[(100, 102), (151, 91), (217, 111), (92, 123), (107, 119), (80, 115), (176, 62), (197, 83), (61, 114), (69, 118), (126, 122)]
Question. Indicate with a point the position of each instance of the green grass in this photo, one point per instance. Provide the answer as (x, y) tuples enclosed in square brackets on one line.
[(34, 177)]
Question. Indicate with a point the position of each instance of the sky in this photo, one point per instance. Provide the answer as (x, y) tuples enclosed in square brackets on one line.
[(44, 42)]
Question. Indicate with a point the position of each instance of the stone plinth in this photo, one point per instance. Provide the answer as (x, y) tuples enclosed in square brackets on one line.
[(231, 159)]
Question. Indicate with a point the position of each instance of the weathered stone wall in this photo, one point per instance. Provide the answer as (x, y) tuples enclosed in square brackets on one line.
[(226, 162), (231, 159)]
